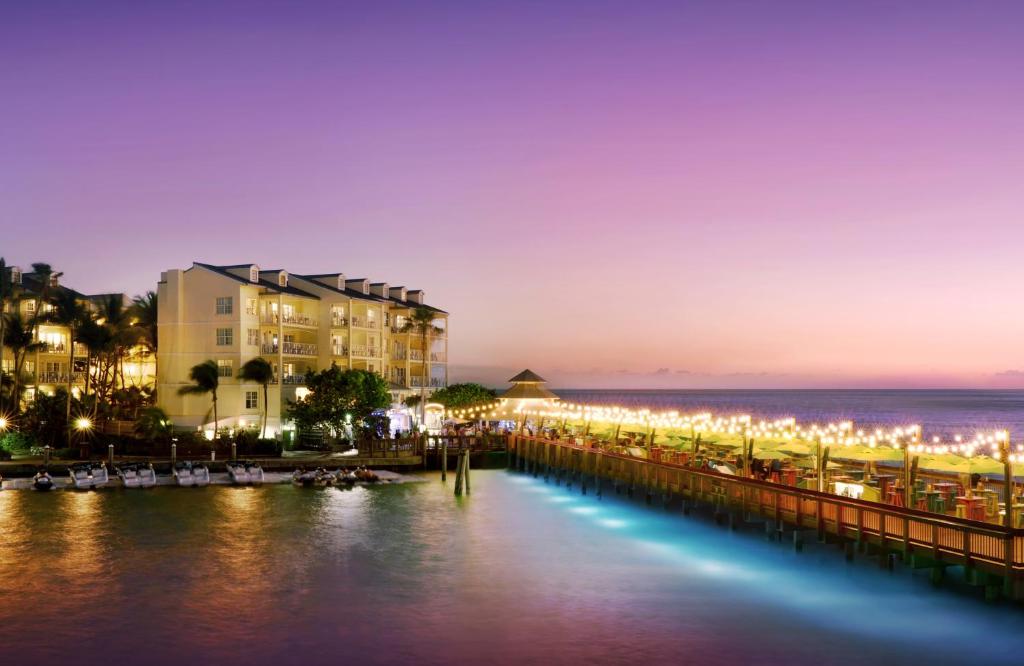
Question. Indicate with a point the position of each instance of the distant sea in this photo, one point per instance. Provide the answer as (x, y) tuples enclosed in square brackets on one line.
[(940, 412)]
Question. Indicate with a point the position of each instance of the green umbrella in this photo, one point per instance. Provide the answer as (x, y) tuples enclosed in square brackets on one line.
[(796, 449), (984, 465), (771, 455), (943, 464)]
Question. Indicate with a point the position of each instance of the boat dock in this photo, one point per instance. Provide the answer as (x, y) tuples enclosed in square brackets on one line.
[(992, 555)]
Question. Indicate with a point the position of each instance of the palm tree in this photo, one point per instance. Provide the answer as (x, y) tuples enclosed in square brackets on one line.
[(44, 274), (258, 370), (19, 337), (144, 311), (205, 379), (69, 312), (153, 424), (7, 295), (422, 322)]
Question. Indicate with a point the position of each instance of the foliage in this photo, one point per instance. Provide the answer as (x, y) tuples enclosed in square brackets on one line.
[(412, 400), (259, 371), (144, 311), (46, 417), (17, 442), (205, 379), (338, 397), (154, 425), (457, 396)]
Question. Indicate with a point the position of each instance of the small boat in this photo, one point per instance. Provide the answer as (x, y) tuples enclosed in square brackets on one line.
[(324, 478), (42, 480), (86, 476), (366, 475), (190, 474), (137, 475), (304, 478), (244, 472), (345, 477)]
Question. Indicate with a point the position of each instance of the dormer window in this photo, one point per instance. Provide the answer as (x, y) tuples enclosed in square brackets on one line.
[(282, 279), (53, 281), (254, 274), (15, 275), (341, 283)]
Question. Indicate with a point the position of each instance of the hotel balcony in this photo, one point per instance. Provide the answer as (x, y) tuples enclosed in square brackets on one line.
[(339, 350), (415, 354), (399, 355), (294, 380), (363, 351), (289, 320), (438, 357), (433, 382), (365, 322), (291, 349), (61, 377), (339, 322)]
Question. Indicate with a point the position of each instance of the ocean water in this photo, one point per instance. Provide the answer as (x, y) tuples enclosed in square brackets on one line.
[(940, 412), (520, 572)]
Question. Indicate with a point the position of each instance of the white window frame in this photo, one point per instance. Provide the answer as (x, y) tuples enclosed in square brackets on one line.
[(254, 274), (225, 337), (225, 364), (225, 305), (255, 398)]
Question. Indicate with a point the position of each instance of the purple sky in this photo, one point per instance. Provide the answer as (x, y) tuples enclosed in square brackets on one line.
[(612, 193)]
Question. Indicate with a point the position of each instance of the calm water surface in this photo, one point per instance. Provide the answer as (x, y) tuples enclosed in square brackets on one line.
[(519, 572), (940, 412)]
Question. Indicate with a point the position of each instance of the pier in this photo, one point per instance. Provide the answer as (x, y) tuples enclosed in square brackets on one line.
[(992, 555)]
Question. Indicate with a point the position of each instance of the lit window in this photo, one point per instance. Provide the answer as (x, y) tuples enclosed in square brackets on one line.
[(250, 306), (224, 305), (253, 336), (225, 368), (30, 308), (225, 337), (251, 400)]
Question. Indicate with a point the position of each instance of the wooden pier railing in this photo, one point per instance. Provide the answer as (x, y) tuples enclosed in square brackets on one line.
[(993, 554)]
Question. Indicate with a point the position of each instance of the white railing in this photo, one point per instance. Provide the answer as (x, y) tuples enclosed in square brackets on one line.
[(291, 348), (365, 322), (294, 379), (296, 319), (339, 321), (366, 352), (439, 357), (415, 354), (339, 350)]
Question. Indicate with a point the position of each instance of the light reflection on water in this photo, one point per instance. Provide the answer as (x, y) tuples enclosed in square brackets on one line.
[(518, 571)]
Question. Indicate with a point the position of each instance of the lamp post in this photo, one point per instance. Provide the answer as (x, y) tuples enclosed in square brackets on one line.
[(1004, 453)]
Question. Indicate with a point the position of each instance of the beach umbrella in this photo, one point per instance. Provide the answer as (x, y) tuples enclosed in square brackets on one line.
[(771, 455), (984, 465), (943, 464), (796, 449)]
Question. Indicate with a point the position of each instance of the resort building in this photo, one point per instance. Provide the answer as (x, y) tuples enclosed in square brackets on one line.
[(298, 323), (49, 359)]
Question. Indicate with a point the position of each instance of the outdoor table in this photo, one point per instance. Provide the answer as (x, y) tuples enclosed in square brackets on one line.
[(948, 488), (885, 483), (991, 498), (789, 476), (973, 507), (894, 496), (935, 501)]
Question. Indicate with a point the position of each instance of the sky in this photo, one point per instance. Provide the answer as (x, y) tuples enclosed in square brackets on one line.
[(614, 194)]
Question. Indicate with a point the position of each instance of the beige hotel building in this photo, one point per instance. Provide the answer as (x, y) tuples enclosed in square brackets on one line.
[(231, 314)]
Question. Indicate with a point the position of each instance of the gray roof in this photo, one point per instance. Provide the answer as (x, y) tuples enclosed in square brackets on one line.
[(527, 376)]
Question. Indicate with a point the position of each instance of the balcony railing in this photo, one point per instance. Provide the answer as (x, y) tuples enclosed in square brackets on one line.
[(339, 350), (365, 352), (291, 349), (290, 320), (415, 354), (294, 380), (339, 322), (60, 377), (399, 355), (439, 357), (365, 322), (432, 382)]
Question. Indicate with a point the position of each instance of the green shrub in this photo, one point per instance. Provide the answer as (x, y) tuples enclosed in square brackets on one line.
[(17, 442)]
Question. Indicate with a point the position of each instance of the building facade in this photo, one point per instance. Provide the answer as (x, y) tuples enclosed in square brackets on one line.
[(298, 323), (51, 364)]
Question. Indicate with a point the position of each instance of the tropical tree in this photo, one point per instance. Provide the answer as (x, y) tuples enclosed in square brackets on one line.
[(8, 293), (68, 311), (421, 322), (338, 398), (259, 371), (153, 424), (144, 312), (19, 337), (458, 396), (44, 274), (205, 379)]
